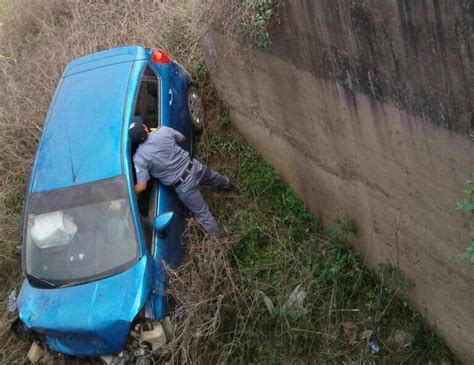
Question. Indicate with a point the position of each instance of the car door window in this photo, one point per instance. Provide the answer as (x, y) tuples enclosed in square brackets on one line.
[(147, 107), (147, 103)]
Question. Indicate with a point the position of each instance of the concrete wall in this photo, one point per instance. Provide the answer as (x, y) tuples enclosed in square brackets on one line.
[(365, 107)]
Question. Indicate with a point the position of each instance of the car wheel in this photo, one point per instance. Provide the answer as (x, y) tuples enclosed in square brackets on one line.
[(195, 109)]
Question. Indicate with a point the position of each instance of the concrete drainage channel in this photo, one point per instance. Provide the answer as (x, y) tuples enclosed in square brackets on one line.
[(342, 311)]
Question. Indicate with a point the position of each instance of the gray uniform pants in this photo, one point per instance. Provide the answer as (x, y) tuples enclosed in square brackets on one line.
[(188, 192)]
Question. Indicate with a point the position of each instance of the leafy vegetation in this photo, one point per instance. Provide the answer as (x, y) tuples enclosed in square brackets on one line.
[(468, 206), (257, 22), (245, 23), (278, 247)]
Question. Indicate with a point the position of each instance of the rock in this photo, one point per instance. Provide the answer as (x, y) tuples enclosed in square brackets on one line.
[(401, 338)]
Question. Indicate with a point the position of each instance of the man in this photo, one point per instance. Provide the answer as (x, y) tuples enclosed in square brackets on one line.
[(160, 156)]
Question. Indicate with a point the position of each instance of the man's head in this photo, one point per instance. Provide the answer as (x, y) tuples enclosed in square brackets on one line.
[(138, 131)]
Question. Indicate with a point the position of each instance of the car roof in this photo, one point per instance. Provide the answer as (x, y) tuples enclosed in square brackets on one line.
[(82, 136)]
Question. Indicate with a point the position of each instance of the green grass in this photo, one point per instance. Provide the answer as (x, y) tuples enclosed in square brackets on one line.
[(468, 206), (279, 245), (257, 19)]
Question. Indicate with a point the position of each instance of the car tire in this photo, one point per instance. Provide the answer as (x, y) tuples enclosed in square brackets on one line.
[(195, 110)]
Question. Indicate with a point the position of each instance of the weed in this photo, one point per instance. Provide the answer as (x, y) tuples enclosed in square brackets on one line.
[(198, 73), (426, 344), (341, 228), (223, 117), (256, 24), (244, 23), (278, 246), (392, 277), (468, 206)]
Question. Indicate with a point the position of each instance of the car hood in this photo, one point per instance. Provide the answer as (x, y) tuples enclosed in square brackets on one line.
[(90, 319)]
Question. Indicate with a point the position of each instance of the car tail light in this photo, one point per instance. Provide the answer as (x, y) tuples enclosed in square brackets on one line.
[(160, 57)]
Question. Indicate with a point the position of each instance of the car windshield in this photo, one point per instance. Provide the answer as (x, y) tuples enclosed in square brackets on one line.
[(79, 234)]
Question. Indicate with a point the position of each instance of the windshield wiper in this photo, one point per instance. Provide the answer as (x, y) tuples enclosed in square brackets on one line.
[(41, 282), (73, 283)]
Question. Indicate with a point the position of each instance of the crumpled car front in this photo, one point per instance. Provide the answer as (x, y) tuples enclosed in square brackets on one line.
[(91, 319)]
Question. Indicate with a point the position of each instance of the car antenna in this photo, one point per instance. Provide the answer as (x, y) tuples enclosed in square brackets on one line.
[(70, 152)]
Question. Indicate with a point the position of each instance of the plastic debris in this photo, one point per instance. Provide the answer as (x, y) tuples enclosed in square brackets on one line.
[(167, 327), (367, 334), (107, 359), (296, 298), (36, 353), (374, 346), (115, 360), (11, 304), (401, 338), (156, 337), (268, 303)]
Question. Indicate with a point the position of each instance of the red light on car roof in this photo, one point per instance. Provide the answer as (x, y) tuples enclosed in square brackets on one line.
[(160, 57)]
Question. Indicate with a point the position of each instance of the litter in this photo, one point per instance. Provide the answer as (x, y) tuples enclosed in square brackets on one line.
[(156, 336), (36, 353), (268, 303), (296, 299), (374, 346), (11, 305)]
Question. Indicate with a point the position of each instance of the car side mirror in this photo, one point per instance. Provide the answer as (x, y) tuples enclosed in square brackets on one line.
[(162, 221)]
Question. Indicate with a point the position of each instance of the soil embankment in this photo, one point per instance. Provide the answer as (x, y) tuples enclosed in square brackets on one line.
[(365, 107)]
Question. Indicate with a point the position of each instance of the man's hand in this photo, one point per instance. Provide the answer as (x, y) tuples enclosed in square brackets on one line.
[(139, 187)]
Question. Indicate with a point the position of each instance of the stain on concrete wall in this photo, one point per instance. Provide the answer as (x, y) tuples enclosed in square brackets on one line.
[(366, 108), (417, 56)]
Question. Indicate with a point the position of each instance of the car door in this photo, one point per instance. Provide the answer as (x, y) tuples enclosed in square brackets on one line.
[(179, 109), (169, 247)]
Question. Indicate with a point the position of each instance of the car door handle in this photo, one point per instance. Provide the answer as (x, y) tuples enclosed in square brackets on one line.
[(170, 94)]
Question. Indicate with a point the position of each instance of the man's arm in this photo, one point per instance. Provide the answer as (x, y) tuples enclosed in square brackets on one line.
[(178, 136), (141, 171)]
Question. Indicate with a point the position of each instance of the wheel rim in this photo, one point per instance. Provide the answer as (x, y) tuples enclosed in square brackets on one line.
[(195, 108)]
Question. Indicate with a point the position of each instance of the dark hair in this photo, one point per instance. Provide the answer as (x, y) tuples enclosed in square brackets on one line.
[(137, 131)]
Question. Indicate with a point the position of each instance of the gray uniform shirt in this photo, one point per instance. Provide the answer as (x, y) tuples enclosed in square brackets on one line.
[(161, 157)]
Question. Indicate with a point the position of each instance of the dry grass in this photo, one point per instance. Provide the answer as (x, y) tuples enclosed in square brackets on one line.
[(38, 39), (201, 287)]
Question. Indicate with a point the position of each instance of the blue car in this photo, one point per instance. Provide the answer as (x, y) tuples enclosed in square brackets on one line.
[(92, 253)]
